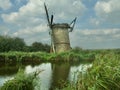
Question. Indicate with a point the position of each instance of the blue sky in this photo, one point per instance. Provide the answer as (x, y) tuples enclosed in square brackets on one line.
[(97, 26)]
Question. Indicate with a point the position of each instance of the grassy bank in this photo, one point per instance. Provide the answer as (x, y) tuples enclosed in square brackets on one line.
[(42, 56), (103, 75)]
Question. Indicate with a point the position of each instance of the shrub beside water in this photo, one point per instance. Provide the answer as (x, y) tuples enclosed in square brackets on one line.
[(21, 81)]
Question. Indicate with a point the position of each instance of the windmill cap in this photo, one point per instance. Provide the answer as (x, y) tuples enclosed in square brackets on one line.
[(61, 25)]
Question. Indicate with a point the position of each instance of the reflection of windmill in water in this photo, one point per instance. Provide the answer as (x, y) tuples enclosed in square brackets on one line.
[(59, 34)]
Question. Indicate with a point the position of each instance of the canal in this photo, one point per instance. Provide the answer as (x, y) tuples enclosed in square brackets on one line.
[(52, 75)]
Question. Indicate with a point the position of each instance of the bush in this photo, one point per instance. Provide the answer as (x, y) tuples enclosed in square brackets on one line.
[(21, 81)]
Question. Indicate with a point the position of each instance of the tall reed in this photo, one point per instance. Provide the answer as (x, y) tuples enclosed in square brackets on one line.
[(103, 75)]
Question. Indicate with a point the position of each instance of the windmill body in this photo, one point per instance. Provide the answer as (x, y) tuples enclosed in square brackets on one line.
[(59, 34), (61, 37)]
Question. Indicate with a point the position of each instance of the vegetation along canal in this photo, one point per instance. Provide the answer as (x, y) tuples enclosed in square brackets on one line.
[(73, 70), (52, 75)]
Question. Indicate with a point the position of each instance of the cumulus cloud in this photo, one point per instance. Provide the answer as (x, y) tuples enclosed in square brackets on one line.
[(31, 34), (67, 9), (108, 10), (31, 31), (5, 4), (30, 20), (30, 23), (96, 38), (28, 15)]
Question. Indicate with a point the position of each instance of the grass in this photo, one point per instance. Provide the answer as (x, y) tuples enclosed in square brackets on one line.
[(42, 56), (21, 81), (103, 75)]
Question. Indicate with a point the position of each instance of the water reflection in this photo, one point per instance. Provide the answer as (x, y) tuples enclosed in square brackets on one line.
[(8, 69), (53, 75), (75, 70), (60, 74), (44, 78), (4, 79)]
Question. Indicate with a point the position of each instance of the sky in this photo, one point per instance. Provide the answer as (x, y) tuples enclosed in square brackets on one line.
[(97, 25)]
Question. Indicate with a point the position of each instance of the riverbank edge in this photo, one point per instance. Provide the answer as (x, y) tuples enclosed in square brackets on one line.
[(21, 57)]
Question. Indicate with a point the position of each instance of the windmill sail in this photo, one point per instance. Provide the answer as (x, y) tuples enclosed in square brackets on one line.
[(50, 25), (47, 15), (73, 24), (51, 20), (59, 33)]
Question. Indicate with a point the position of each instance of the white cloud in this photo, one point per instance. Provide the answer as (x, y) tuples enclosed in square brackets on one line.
[(28, 15), (31, 34), (31, 31), (105, 7), (100, 32), (5, 4), (65, 10), (108, 11), (97, 38), (30, 20), (94, 21), (21, 20), (4, 30)]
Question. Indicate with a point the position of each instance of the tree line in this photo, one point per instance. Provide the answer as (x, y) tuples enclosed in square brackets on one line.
[(8, 43)]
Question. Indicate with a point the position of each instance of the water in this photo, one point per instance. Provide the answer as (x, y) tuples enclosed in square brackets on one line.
[(53, 75)]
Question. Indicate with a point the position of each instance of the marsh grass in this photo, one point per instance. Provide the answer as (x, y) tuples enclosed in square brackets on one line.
[(21, 81), (103, 75)]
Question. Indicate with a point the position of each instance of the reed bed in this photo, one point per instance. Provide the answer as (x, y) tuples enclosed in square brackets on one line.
[(103, 75)]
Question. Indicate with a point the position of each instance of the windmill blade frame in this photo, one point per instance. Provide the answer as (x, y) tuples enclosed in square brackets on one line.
[(73, 24), (51, 22), (47, 15)]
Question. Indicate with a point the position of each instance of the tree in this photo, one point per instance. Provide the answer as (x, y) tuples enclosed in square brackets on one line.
[(11, 44), (17, 44), (38, 46)]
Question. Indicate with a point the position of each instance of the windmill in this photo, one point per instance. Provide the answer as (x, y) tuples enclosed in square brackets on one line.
[(59, 33)]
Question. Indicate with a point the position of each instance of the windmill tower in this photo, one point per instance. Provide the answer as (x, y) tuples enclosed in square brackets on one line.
[(59, 34)]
